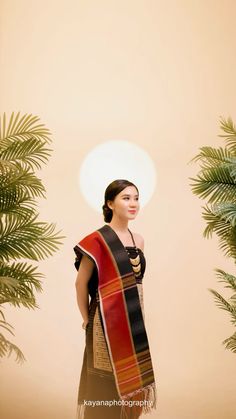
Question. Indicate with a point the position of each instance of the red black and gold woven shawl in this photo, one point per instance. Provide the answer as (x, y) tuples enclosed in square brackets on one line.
[(122, 317)]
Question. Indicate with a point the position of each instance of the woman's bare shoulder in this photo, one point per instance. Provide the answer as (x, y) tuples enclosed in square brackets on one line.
[(139, 240)]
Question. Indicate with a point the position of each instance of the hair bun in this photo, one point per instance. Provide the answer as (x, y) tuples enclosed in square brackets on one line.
[(107, 213)]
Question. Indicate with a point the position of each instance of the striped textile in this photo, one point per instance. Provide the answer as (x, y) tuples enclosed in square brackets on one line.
[(122, 316)]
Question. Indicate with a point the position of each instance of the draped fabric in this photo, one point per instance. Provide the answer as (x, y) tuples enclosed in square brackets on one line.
[(127, 361)]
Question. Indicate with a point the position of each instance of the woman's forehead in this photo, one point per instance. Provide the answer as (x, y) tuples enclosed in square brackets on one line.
[(129, 190)]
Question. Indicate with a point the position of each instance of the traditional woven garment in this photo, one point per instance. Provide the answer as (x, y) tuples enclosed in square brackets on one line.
[(120, 348)]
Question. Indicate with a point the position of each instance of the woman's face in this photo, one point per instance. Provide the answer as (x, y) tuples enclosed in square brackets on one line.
[(126, 203)]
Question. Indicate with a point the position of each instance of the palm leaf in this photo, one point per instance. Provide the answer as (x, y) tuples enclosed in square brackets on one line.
[(6, 165), (231, 343), (23, 142), (31, 152), (21, 129), (215, 224), (216, 184), (213, 157), (228, 127), (6, 326), (232, 299), (228, 244), (16, 200), (20, 178), (226, 233), (7, 282), (11, 203), (7, 348), (27, 239), (19, 288), (222, 303), (27, 301), (2, 315), (226, 211), (229, 279)]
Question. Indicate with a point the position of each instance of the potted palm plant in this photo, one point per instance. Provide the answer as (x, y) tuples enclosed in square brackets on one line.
[(216, 182), (23, 237)]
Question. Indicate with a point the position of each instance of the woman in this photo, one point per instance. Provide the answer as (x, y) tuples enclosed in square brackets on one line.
[(117, 379)]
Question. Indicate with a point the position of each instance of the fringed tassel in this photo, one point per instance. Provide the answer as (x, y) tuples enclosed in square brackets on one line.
[(80, 411), (147, 397)]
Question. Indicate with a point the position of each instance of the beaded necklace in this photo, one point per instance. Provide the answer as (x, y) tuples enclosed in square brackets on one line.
[(135, 261)]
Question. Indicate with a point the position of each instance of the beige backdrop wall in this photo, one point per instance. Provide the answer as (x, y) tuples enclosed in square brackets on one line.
[(158, 74)]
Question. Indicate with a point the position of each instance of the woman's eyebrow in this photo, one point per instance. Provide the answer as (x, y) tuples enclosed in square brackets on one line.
[(126, 194)]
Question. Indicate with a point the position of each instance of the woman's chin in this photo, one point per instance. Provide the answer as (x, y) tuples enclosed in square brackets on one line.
[(131, 216)]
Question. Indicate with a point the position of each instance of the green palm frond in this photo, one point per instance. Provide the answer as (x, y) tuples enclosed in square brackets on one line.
[(223, 229), (228, 279), (232, 169), (17, 204), (228, 245), (19, 289), (226, 211), (31, 152), (27, 238), (210, 157), (216, 184), (6, 165), (23, 148), (2, 315), (7, 348), (229, 128), (7, 282), (6, 326), (20, 178), (222, 303), (215, 224), (22, 272), (16, 199), (231, 343), (232, 299), (21, 129), (229, 306), (213, 157), (19, 300), (227, 125)]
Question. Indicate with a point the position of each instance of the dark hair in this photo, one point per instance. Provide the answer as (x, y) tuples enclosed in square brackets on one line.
[(113, 189)]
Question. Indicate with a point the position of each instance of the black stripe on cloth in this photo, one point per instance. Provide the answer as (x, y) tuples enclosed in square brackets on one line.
[(131, 295)]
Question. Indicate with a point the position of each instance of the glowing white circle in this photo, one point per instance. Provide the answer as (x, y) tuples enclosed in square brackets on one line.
[(116, 159)]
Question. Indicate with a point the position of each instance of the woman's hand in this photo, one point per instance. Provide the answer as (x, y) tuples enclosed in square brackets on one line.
[(84, 274), (84, 324)]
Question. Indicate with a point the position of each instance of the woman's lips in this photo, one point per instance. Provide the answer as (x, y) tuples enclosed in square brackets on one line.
[(132, 211)]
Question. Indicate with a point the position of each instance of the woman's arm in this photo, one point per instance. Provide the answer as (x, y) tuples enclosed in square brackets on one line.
[(139, 241), (81, 284)]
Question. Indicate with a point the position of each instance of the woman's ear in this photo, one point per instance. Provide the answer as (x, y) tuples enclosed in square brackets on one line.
[(109, 204)]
